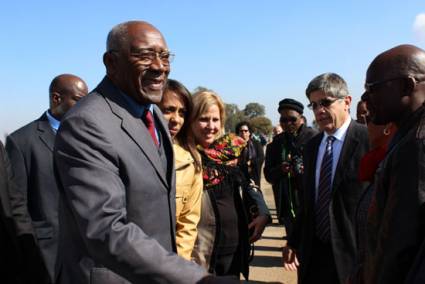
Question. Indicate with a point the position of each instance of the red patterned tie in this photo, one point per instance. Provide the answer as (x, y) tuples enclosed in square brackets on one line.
[(150, 124)]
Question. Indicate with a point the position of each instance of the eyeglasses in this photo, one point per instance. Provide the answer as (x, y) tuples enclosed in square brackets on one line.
[(147, 56), (243, 130), (322, 103), (372, 87), (288, 119)]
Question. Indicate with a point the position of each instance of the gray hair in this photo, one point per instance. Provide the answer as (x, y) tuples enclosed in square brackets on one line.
[(118, 37), (330, 83)]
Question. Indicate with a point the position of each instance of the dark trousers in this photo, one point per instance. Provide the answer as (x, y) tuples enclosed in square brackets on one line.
[(228, 264), (321, 267)]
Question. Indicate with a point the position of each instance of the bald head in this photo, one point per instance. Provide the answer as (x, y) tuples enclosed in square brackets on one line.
[(403, 60), (64, 92), (394, 84), (122, 34)]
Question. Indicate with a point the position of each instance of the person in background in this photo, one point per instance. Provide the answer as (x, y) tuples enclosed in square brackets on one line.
[(395, 92), (324, 234), (361, 112), (252, 157), (224, 233), (284, 161), (277, 130), (176, 105), (30, 149), (20, 259)]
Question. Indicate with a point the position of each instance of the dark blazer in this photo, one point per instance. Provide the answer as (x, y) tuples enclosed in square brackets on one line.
[(117, 215), (257, 162), (20, 260), (346, 192), (30, 149), (396, 220)]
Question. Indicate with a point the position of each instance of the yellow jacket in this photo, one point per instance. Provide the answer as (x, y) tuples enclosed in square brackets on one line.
[(188, 201)]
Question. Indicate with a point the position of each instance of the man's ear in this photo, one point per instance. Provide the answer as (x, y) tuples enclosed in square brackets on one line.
[(56, 98), (409, 86), (109, 59)]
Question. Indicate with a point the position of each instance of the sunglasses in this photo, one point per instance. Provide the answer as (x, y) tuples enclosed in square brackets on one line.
[(288, 119), (244, 130), (322, 103)]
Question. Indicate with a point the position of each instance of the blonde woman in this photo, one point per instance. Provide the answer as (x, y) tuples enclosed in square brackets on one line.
[(225, 229)]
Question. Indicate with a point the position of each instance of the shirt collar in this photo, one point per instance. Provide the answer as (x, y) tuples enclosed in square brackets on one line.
[(339, 134), (136, 108), (54, 123)]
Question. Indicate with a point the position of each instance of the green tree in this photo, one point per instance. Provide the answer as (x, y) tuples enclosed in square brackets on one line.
[(233, 117), (252, 110), (261, 124)]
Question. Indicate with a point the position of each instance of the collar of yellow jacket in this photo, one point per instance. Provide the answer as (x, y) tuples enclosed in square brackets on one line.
[(182, 157)]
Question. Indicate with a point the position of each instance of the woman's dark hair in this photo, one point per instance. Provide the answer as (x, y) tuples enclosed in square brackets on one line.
[(184, 137), (243, 123)]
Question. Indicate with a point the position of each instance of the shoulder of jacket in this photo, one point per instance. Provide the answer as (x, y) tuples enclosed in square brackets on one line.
[(182, 157)]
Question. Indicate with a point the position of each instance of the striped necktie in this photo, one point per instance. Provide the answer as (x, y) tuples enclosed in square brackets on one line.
[(324, 193)]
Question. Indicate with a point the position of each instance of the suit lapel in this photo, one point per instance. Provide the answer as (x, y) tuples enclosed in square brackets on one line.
[(348, 148), (45, 132), (311, 175), (133, 126), (162, 126)]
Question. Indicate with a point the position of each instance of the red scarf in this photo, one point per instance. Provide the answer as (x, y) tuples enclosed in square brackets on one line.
[(369, 163)]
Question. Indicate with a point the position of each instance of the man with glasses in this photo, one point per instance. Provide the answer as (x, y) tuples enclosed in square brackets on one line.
[(115, 163), (324, 236), (284, 161), (395, 92)]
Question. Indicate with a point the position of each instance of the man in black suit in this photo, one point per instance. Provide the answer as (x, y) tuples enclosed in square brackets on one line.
[(395, 92), (284, 162), (30, 149), (20, 259), (324, 238)]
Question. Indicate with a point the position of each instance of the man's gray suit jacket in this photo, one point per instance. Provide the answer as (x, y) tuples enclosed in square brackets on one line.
[(118, 216)]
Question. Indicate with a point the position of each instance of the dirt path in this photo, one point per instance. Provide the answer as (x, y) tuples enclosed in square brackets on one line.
[(267, 264)]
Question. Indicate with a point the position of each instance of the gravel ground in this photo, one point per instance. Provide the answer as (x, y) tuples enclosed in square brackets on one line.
[(266, 266)]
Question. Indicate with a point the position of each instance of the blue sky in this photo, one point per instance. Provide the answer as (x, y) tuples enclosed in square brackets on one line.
[(247, 51)]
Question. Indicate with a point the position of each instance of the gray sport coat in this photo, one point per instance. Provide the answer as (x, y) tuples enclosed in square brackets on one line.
[(117, 218)]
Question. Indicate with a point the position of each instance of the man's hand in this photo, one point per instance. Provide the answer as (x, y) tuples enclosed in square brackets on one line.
[(290, 261), (259, 223)]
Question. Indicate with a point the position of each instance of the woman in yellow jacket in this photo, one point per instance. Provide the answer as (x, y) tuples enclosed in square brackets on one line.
[(176, 106)]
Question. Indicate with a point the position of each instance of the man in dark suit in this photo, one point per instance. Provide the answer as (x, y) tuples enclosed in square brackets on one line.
[(114, 159), (395, 92), (284, 162), (324, 238), (31, 153), (20, 259)]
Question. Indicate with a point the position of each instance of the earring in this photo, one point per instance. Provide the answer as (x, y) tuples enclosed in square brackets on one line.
[(387, 130)]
